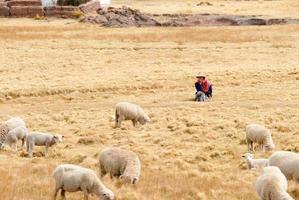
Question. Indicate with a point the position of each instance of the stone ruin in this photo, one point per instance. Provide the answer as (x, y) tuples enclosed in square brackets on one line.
[(32, 8)]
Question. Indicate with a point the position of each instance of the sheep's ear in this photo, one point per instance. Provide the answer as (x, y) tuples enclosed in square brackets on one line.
[(121, 177)]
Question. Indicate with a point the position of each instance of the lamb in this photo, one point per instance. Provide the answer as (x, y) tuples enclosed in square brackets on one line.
[(255, 163), (259, 134), (73, 178), (272, 185), (129, 111), (120, 163), (14, 122), (18, 133), (287, 162), (41, 139)]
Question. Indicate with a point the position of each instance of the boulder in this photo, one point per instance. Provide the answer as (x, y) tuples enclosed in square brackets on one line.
[(90, 7), (4, 11)]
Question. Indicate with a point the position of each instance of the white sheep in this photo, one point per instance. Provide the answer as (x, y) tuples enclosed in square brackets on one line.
[(14, 122), (287, 162), (120, 163), (73, 178), (255, 163), (129, 111), (272, 185), (259, 134), (41, 139), (18, 133)]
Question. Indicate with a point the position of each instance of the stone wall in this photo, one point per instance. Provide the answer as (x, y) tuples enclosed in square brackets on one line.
[(32, 8)]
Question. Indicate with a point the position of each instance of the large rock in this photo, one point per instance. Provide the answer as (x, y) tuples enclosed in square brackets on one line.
[(24, 3), (90, 7), (4, 11)]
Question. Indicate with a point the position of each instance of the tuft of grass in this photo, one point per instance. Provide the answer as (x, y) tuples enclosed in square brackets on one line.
[(38, 17), (78, 14)]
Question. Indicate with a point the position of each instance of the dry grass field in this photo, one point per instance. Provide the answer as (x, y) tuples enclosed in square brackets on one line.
[(65, 77)]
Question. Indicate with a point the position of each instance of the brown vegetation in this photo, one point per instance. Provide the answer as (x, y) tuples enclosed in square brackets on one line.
[(65, 77)]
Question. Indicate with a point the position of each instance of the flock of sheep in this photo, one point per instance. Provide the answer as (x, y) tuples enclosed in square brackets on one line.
[(281, 165), (119, 163), (125, 165)]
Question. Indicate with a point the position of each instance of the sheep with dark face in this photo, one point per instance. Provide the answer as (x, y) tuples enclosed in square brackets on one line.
[(129, 111), (41, 139), (120, 163), (73, 178)]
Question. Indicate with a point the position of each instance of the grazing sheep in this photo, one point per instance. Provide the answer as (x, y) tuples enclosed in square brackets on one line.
[(41, 139), (120, 163), (18, 133), (3, 134), (129, 111), (73, 178), (14, 122), (272, 185), (287, 162), (255, 163), (259, 134)]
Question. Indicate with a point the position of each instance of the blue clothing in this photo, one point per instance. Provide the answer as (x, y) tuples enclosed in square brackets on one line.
[(199, 89)]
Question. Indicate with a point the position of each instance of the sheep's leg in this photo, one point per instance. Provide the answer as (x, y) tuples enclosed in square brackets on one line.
[(120, 119), (15, 147), (30, 149), (85, 194), (23, 143), (111, 175), (62, 193), (116, 119), (263, 147), (46, 150), (55, 193), (134, 121), (103, 171)]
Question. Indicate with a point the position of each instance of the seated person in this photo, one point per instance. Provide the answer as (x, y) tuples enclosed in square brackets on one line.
[(203, 88)]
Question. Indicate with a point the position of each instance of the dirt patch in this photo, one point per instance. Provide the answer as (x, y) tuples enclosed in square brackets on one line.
[(126, 17)]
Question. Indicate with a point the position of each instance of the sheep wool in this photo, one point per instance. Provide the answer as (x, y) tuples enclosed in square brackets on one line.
[(120, 163), (287, 162), (73, 178), (259, 134), (129, 111), (272, 185)]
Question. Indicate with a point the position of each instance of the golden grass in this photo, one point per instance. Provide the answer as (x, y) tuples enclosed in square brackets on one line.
[(65, 77)]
